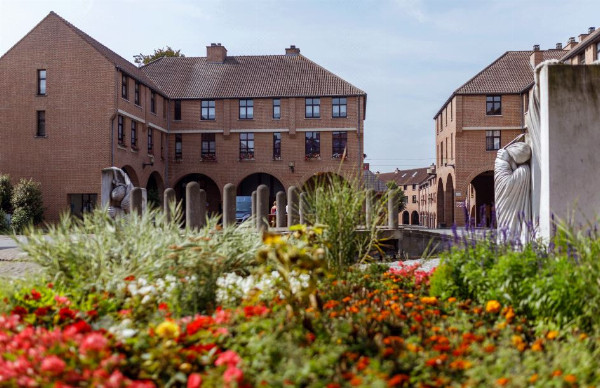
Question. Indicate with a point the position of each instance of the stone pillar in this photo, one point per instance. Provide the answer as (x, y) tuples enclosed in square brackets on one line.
[(195, 206), (392, 209), (262, 207), (137, 200), (280, 217), (253, 215), (229, 205), (303, 208), (169, 199), (369, 207), (293, 217)]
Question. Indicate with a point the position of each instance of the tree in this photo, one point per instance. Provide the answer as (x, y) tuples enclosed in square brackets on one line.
[(27, 204), (142, 59), (394, 188), (5, 193)]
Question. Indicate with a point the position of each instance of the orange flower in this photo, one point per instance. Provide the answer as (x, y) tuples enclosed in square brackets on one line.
[(502, 381), (388, 352), (346, 299), (489, 348), (398, 380), (510, 314), (451, 299), (429, 300), (533, 378), (356, 381), (537, 346), (492, 306), (557, 373), (582, 336), (460, 364), (570, 379), (552, 334), (330, 304)]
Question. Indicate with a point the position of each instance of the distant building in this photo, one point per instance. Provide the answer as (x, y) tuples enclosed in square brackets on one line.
[(410, 182), (70, 106)]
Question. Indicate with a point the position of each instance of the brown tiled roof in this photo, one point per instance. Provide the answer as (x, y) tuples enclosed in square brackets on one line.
[(414, 176), (120, 62), (582, 45), (510, 74), (372, 181), (246, 76)]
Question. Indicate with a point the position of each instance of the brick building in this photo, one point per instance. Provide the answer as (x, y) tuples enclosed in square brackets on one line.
[(484, 114), (413, 182), (70, 106)]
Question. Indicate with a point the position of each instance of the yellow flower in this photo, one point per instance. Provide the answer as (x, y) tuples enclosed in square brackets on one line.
[(510, 314), (430, 300), (552, 334), (492, 306), (168, 329)]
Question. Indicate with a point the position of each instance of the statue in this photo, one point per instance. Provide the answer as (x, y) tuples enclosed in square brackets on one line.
[(116, 191), (512, 186)]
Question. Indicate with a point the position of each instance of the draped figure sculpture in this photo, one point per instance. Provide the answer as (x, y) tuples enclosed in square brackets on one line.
[(512, 186), (116, 191)]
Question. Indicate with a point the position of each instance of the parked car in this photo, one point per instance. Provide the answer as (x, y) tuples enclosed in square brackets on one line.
[(243, 208)]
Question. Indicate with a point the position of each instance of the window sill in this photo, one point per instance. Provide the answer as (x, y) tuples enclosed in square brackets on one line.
[(137, 105), (247, 160), (178, 161), (153, 113), (240, 119), (201, 119), (491, 115), (121, 147), (276, 118), (125, 99), (135, 150), (41, 137), (312, 118), (339, 117), (209, 160), (41, 95), (277, 159)]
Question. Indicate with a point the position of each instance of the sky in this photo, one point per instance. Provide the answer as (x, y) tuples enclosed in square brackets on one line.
[(407, 55)]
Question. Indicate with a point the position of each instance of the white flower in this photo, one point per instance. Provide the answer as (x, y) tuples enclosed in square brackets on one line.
[(132, 288), (147, 290), (146, 299)]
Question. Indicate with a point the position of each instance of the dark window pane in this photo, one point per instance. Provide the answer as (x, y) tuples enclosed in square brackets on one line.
[(177, 110)]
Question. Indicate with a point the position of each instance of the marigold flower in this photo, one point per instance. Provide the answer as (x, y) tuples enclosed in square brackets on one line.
[(552, 334), (533, 378), (570, 378), (582, 336), (356, 381), (537, 345), (557, 373), (502, 381), (194, 380), (460, 364), (429, 300), (451, 299), (510, 314), (168, 329), (53, 364), (492, 306), (398, 380)]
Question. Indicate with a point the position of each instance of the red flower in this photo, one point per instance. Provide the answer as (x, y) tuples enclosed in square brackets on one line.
[(41, 311), (194, 381), (124, 312), (229, 358), (19, 310), (92, 314), (53, 364), (129, 278), (201, 322), (50, 285), (163, 307), (93, 342), (35, 294), (398, 379), (233, 374), (66, 313), (250, 311)]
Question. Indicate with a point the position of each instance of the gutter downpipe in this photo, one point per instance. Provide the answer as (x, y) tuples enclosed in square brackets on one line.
[(166, 146), (112, 120), (360, 156)]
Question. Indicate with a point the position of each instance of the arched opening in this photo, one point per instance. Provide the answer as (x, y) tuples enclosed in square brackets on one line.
[(449, 202), (405, 218), (132, 175), (483, 185), (213, 194), (440, 204), (251, 182), (155, 189), (414, 218)]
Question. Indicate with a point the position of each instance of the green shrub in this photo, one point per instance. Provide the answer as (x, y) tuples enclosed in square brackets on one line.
[(5, 193), (27, 204), (4, 227)]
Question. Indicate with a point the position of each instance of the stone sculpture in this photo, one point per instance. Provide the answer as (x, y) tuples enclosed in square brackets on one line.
[(116, 191), (512, 186)]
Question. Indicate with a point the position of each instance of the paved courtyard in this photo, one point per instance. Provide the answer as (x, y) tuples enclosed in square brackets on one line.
[(13, 262)]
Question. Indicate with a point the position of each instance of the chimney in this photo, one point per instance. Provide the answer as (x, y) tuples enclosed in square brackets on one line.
[(292, 50), (571, 43), (396, 171), (559, 46), (215, 53), (582, 37), (591, 29), (536, 57)]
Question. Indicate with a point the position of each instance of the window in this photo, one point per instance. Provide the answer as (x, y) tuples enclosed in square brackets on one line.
[(338, 144), (246, 145), (414, 187), (312, 145), (581, 59), (492, 140), (209, 147), (246, 109), (152, 102), (177, 110), (414, 199), (276, 108), (277, 146), (493, 105), (313, 108), (405, 187), (137, 93), (82, 203), (339, 107), (598, 50), (150, 141), (42, 82), (124, 87), (120, 132), (178, 146), (41, 123), (133, 135), (208, 110)]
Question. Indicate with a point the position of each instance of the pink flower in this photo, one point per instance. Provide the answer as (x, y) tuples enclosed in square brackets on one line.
[(93, 342), (222, 316), (233, 374), (60, 300), (194, 381), (53, 364), (229, 358)]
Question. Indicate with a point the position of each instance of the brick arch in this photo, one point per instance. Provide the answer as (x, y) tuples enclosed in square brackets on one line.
[(130, 171), (449, 201), (478, 171), (213, 191), (440, 202)]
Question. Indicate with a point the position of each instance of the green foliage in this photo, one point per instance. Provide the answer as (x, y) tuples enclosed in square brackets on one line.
[(398, 192), (5, 193), (4, 227), (337, 205), (27, 204), (143, 59)]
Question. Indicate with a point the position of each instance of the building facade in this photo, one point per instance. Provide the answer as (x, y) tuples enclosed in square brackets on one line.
[(414, 184), (71, 107)]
